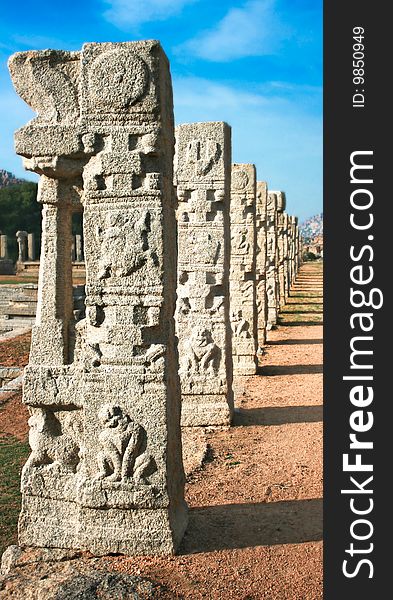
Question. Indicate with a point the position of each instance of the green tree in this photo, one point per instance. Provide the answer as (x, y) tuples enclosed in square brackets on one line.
[(19, 210)]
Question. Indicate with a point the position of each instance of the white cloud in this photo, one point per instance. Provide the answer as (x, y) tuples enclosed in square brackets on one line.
[(126, 13), (255, 29), (274, 131), (193, 93)]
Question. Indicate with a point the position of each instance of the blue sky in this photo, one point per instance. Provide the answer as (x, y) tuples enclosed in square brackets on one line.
[(256, 64)]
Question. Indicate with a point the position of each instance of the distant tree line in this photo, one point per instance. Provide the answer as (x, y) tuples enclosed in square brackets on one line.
[(19, 210)]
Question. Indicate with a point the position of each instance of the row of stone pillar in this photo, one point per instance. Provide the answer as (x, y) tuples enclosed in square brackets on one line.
[(26, 247), (77, 248), (106, 391), (238, 253)]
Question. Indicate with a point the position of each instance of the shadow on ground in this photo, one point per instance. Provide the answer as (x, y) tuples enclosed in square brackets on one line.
[(300, 341), (300, 311), (278, 415), (273, 370), (247, 525), (300, 323)]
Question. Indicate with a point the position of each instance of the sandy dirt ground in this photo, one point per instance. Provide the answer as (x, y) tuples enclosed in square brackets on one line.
[(255, 529)]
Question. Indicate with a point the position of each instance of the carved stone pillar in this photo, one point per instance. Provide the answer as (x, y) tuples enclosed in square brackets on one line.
[(21, 238), (3, 246), (242, 271), (261, 260), (272, 290), (78, 248), (105, 473), (203, 163), (30, 246)]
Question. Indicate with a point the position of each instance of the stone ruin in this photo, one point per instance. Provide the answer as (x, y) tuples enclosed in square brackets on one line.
[(242, 274), (282, 249), (260, 261), (6, 264), (105, 386), (202, 176), (272, 289), (105, 473)]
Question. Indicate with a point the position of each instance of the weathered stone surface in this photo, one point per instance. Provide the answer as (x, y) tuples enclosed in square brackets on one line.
[(21, 238), (105, 473), (6, 265), (291, 268), (272, 290), (242, 269), (261, 261), (30, 246), (287, 255), (202, 176), (52, 574), (282, 247), (3, 246), (7, 374), (195, 448), (298, 245), (78, 248)]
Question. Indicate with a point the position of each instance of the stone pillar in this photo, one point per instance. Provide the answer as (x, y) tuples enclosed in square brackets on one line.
[(242, 291), (21, 238), (290, 239), (78, 248), (105, 473), (30, 246), (73, 249), (294, 248), (203, 172), (261, 256), (280, 265), (287, 273), (272, 290), (298, 245), (6, 264), (281, 204), (3, 246)]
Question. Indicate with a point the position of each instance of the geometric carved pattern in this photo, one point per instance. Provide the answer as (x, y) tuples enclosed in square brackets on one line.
[(202, 314), (105, 472)]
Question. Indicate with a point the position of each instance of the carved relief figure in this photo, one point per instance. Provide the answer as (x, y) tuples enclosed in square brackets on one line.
[(203, 154), (240, 180), (240, 241), (124, 244), (270, 247), (153, 357), (203, 354), (50, 445), (206, 245), (118, 79), (270, 294), (240, 326), (123, 456)]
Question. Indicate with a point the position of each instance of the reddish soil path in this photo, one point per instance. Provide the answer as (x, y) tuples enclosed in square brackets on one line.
[(255, 525), (255, 509)]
